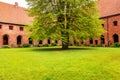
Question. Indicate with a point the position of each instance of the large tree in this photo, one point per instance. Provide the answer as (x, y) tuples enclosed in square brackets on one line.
[(64, 20)]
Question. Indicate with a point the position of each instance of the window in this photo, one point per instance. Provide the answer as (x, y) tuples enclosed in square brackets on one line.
[(0, 26), (10, 27), (102, 25), (115, 23), (21, 28)]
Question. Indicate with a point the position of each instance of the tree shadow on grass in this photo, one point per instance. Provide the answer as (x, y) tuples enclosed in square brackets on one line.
[(60, 49)]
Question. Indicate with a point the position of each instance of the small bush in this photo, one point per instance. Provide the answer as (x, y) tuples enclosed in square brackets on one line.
[(35, 45), (95, 46), (20, 46), (5, 46), (98, 46), (26, 45), (92, 45), (54, 44), (69, 44), (40, 45), (77, 44), (116, 45), (46, 45)]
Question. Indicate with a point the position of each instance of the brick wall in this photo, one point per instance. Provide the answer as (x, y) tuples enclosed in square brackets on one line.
[(110, 30), (108, 35), (12, 35)]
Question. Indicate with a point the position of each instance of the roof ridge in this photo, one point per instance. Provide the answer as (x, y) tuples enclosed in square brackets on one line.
[(11, 4)]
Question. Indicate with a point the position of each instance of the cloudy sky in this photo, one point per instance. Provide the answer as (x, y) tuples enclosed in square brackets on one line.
[(21, 3)]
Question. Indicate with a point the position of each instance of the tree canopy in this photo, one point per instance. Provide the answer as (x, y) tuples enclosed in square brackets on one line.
[(64, 20)]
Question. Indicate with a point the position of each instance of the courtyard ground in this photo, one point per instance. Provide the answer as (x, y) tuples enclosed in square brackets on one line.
[(78, 63)]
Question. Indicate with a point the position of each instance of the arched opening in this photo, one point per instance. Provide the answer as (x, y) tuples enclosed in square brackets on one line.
[(91, 41), (102, 39), (19, 40), (56, 41), (96, 42), (30, 41), (115, 38), (75, 43), (5, 40), (49, 41), (40, 42), (82, 42)]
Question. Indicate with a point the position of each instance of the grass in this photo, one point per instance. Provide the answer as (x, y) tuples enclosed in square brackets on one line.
[(56, 64)]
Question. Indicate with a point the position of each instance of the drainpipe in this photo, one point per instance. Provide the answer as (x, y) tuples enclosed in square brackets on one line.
[(108, 32)]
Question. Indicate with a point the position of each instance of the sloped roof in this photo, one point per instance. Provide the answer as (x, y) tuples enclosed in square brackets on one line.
[(13, 14), (18, 15), (109, 7)]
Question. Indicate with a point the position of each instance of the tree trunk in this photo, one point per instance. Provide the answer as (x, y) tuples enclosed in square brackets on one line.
[(65, 40), (65, 35), (65, 43), (65, 46)]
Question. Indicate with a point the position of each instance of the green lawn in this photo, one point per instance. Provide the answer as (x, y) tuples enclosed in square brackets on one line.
[(55, 64)]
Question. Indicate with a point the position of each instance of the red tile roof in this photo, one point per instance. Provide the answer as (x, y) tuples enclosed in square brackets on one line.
[(13, 14), (109, 7), (18, 15)]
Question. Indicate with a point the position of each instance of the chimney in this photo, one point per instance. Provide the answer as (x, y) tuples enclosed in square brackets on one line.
[(16, 4)]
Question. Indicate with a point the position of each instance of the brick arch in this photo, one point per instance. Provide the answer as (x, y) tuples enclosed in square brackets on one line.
[(5, 39), (19, 39), (115, 38)]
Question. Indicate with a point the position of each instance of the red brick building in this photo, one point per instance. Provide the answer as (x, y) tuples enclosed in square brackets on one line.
[(110, 14), (13, 19)]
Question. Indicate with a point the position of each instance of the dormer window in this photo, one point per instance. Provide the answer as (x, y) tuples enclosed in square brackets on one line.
[(115, 23)]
